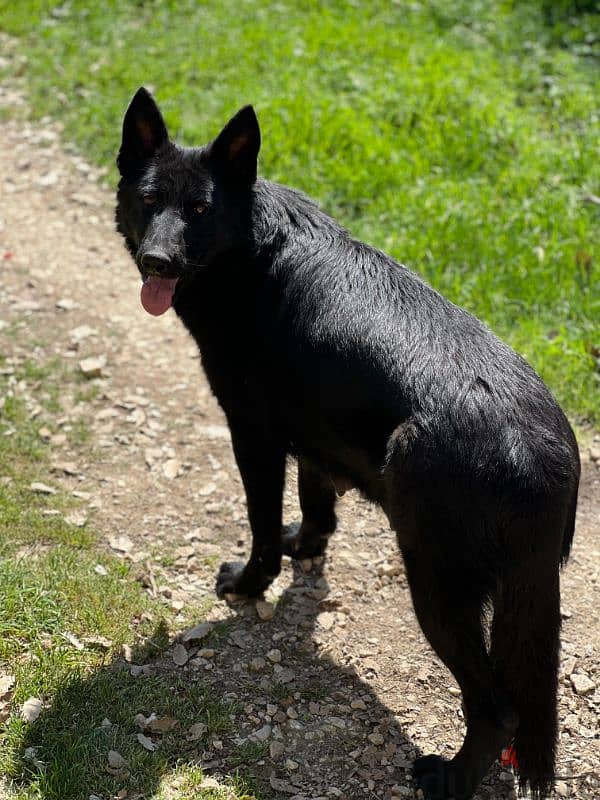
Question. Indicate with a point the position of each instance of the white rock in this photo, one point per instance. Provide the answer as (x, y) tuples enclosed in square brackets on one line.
[(326, 620), (582, 684), (274, 656), (41, 488), (92, 367), (170, 468), (32, 708)]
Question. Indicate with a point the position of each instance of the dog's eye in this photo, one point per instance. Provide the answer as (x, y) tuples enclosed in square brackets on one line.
[(200, 209), (149, 199)]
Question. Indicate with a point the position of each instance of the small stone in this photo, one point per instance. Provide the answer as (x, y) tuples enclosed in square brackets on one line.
[(116, 760), (376, 739), (196, 731), (582, 684), (358, 705), (92, 367), (265, 610), (291, 765), (276, 750), (197, 632), (32, 708), (326, 620), (121, 543), (66, 304), (180, 655), (146, 743), (262, 734), (274, 656), (41, 488), (257, 664), (561, 789), (170, 468)]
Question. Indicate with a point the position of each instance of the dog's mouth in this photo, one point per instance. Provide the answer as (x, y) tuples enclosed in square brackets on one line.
[(157, 294)]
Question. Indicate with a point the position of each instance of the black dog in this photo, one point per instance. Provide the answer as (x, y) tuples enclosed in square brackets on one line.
[(319, 346)]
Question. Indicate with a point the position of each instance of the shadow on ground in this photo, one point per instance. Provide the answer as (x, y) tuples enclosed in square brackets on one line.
[(257, 705)]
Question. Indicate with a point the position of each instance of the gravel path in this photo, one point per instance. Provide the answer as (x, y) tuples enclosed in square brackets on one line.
[(339, 690)]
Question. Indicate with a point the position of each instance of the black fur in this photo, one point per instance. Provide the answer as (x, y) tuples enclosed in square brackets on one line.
[(319, 346)]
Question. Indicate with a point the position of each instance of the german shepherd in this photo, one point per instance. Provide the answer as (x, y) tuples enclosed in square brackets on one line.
[(323, 348)]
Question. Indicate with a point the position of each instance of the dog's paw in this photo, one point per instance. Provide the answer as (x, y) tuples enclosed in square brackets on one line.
[(439, 780), (235, 578), (230, 579), (295, 543)]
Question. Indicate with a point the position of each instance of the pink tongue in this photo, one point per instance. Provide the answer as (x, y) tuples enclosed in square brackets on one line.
[(157, 294)]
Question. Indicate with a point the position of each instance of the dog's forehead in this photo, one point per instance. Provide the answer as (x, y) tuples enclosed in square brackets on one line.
[(180, 172)]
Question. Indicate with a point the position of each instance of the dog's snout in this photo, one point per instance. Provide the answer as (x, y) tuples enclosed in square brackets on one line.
[(155, 263)]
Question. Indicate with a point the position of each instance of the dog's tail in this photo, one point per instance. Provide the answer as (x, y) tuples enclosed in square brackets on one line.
[(569, 530), (525, 652)]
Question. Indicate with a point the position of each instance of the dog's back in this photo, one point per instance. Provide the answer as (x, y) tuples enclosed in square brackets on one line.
[(353, 340)]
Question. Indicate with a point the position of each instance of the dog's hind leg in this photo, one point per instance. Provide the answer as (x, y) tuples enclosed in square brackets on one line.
[(317, 501), (448, 600)]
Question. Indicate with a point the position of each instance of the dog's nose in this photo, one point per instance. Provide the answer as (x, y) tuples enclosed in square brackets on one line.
[(155, 263)]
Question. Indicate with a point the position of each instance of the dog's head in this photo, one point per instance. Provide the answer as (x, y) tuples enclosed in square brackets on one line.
[(180, 208)]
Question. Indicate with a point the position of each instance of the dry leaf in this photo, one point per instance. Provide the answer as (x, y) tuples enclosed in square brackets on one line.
[(6, 684), (32, 708), (162, 724)]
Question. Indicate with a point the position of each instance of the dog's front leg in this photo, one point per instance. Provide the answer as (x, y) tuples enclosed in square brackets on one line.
[(261, 462)]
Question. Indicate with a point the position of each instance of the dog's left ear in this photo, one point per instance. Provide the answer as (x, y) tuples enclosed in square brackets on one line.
[(234, 152), (144, 131)]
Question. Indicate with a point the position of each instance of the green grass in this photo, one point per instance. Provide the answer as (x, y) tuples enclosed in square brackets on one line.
[(460, 136), (52, 591)]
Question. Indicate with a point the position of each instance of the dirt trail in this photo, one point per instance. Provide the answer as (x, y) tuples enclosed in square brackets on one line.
[(354, 691)]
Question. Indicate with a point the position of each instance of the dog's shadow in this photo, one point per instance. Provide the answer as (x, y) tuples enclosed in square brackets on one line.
[(257, 706)]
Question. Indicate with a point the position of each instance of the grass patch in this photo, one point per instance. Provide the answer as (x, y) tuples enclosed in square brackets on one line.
[(66, 610), (460, 136)]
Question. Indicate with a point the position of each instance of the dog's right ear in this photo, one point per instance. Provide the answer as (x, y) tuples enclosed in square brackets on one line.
[(144, 131)]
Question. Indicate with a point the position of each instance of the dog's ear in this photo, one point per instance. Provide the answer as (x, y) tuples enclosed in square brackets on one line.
[(144, 131), (234, 152)]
